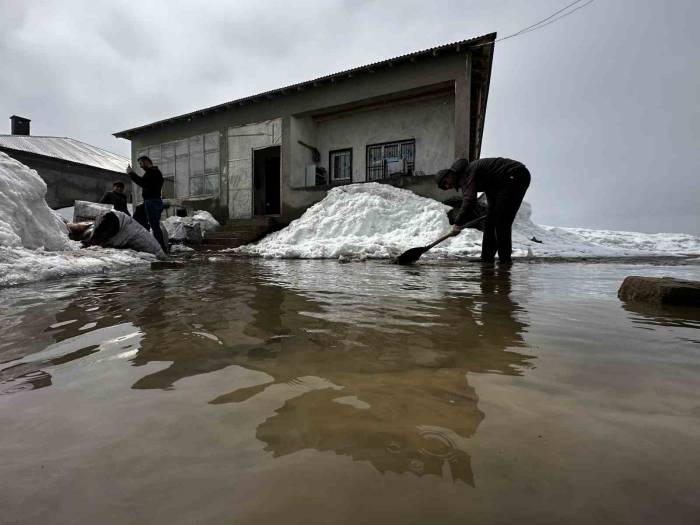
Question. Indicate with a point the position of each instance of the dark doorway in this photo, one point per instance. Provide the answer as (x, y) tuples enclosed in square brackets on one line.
[(266, 181)]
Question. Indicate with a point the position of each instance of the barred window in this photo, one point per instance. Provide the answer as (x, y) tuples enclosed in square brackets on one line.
[(391, 158), (340, 162)]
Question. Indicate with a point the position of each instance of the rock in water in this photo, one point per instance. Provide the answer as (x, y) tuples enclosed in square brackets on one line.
[(665, 290)]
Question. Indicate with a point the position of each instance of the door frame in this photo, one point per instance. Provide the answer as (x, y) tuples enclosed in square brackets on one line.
[(252, 193)]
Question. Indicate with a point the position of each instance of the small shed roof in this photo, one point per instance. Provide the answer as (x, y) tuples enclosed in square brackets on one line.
[(65, 148)]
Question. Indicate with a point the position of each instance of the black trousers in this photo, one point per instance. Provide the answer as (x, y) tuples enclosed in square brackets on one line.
[(504, 201)]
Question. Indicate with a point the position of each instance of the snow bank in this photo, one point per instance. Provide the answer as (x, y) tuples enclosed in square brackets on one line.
[(369, 220), (668, 243), (374, 220), (34, 242), (25, 218), (22, 266)]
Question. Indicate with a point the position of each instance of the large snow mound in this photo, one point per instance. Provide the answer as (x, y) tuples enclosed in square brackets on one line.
[(34, 242), (25, 218), (369, 220), (373, 220)]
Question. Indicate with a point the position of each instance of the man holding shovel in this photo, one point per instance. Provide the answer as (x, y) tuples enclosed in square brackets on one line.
[(505, 182)]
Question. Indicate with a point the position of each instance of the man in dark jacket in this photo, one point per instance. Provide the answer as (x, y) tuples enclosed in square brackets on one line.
[(116, 198), (151, 183), (505, 182)]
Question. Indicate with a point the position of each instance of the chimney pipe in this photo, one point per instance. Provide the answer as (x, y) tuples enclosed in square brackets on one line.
[(20, 125)]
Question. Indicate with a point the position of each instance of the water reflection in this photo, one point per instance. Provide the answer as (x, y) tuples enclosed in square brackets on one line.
[(367, 361), (399, 400), (663, 315)]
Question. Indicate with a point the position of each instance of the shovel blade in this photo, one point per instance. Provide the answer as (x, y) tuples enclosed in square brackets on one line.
[(411, 256)]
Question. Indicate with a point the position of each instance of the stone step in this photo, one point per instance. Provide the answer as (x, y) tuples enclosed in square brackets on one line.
[(238, 233)]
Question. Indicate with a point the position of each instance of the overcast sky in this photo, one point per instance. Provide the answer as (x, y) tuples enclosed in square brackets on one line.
[(603, 106)]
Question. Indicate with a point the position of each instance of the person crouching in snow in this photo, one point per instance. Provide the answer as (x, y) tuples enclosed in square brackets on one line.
[(505, 182), (152, 184), (115, 229)]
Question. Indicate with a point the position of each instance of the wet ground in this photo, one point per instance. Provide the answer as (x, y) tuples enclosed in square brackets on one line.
[(256, 391)]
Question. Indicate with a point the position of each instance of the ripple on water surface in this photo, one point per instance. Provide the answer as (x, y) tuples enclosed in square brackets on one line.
[(457, 383)]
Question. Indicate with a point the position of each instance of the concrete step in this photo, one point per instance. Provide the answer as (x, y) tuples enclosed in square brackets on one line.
[(238, 233)]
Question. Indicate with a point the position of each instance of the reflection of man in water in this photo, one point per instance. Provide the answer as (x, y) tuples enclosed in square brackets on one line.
[(400, 401), (396, 398)]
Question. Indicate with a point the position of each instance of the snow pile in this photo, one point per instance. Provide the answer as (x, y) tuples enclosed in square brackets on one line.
[(22, 266), (668, 243), (34, 242), (369, 220), (25, 218), (374, 220)]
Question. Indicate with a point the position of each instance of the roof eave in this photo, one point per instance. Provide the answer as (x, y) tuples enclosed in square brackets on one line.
[(435, 51)]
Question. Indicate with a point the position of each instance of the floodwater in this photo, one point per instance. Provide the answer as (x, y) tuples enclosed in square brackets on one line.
[(255, 391)]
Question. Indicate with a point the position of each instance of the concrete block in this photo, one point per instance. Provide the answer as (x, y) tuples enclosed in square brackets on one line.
[(664, 290)]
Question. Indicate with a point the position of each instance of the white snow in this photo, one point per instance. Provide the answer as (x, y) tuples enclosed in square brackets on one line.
[(22, 266), (374, 220), (34, 242), (25, 218)]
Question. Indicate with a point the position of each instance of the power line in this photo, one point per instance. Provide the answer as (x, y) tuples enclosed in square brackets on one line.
[(544, 22), (534, 26), (558, 18)]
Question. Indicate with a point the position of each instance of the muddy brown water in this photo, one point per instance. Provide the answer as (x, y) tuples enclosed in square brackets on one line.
[(258, 391)]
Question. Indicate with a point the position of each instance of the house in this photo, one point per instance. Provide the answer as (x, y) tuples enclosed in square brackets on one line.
[(279, 152), (72, 170)]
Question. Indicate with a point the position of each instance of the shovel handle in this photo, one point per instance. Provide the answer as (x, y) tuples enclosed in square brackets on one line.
[(453, 233)]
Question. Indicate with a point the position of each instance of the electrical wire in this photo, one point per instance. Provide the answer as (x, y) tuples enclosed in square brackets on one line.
[(557, 18), (542, 23)]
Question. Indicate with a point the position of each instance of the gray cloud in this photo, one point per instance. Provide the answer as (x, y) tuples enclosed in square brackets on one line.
[(602, 106)]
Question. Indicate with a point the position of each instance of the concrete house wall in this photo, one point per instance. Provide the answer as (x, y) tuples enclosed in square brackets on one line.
[(429, 122), (428, 99)]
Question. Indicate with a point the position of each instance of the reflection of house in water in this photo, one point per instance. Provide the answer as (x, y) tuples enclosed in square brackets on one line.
[(399, 401), (383, 383)]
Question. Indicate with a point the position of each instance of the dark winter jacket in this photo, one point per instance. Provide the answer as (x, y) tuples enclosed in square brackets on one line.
[(151, 182), (481, 175), (118, 200)]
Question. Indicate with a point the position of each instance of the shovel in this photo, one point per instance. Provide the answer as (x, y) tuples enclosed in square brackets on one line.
[(412, 255)]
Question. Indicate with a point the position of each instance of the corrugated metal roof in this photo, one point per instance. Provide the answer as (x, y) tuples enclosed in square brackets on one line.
[(434, 51), (66, 149)]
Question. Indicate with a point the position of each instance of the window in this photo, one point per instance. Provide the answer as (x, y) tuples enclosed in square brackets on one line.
[(391, 158), (192, 163), (340, 163)]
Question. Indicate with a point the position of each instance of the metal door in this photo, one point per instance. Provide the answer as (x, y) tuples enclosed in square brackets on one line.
[(242, 140)]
